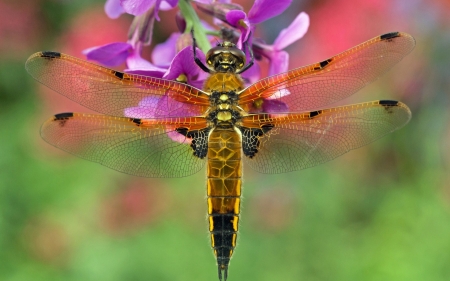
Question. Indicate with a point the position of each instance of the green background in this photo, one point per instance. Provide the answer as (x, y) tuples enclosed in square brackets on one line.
[(381, 212)]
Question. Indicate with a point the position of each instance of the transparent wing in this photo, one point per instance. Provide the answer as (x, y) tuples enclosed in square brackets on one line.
[(301, 140), (115, 93), (315, 86), (140, 147)]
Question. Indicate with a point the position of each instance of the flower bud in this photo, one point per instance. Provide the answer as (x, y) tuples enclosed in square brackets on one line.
[(183, 41), (181, 22)]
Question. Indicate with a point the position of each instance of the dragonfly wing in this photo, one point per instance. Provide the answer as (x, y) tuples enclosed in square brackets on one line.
[(298, 141), (115, 93), (317, 85), (140, 147)]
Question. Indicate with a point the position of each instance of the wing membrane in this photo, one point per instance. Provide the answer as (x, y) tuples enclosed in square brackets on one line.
[(146, 148), (115, 93), (302, 140), (317, 85)]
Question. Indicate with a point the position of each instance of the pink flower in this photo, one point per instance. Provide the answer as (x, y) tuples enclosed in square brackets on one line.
[(182, 65), (261, 10), (114, 8), (140, 34), (279, 59)]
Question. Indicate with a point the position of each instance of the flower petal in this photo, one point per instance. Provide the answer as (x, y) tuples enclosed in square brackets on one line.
[(139, 112), (158, 73), (112, 54), (274, 106), (175, 136), (183, 63), (203, 1), (137, 65), (293, 32), (167, 106), (113, 8), (165, 6), (253, 74), (198, 83), (137, 7), (279, 62), (234, 16), (156, 9), (164, 53), (218, 9), (265, 9), (171, 3), (145, 109)]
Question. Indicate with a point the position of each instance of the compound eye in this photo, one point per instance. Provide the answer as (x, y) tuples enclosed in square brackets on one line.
[(209, 62)]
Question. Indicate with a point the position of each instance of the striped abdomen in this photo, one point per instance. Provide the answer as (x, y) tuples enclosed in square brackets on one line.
[(224, 191)]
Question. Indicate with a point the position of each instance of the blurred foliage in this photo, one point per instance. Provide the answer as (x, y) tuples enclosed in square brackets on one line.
[(378, 213)]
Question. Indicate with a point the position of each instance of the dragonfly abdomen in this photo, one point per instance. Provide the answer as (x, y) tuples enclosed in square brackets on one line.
[(224, 191)]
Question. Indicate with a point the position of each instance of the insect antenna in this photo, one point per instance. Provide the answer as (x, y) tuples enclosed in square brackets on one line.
[(196, 59)]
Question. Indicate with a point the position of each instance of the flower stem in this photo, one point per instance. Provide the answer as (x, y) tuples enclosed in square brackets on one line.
[(193, 21), (213, 33)]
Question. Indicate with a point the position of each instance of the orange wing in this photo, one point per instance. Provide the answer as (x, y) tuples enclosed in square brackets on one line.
[(317, 85), (115, 93), (140, 147), (301, 140)]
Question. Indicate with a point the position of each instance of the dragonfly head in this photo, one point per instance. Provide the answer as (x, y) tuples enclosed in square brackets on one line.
[(225, 57)]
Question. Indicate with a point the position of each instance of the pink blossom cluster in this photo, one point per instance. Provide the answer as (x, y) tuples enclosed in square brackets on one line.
[(174, 57)]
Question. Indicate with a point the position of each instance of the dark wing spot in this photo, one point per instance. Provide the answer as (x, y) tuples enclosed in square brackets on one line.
[(49, 54), (63, 115), (199, 141), (266, 128), (118, 74), (314, 113), (325, 63), (389, 102), (322, 64), (182, 131), (390, 35), (250, 139), (136, 120)]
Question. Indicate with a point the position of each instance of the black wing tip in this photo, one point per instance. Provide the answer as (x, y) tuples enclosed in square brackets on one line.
[(64, 115), (313, 114), (118, 74), (137, 121), (50, 54), (389, 102), (390, 35), (325, 63)]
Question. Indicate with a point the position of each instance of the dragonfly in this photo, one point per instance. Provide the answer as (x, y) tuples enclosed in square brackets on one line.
[(151, 127)]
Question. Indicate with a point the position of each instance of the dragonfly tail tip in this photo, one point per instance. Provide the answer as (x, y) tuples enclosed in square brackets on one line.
[(223, 269)]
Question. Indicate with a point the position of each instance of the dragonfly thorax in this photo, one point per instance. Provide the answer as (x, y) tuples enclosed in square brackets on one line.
[(224, 107)]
